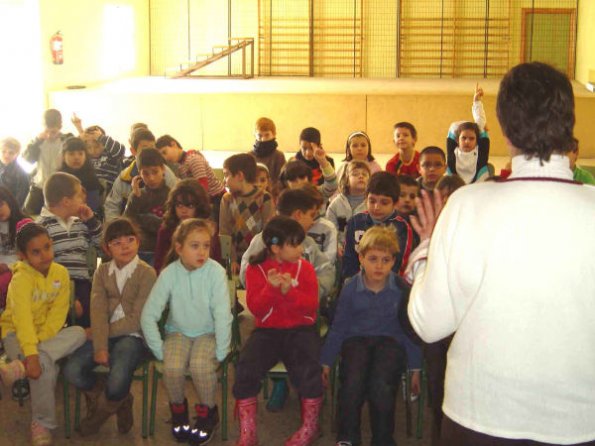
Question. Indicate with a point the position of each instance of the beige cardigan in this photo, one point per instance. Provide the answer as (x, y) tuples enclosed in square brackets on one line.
[(105, 298)]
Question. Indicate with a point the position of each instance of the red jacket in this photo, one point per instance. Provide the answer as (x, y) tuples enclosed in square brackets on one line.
[(398, 167), (270, 308)]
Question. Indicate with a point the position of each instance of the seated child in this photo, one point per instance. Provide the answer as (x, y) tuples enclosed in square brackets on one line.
[(448, 184), (579, 174), (32, 326), (374, 348), (358, 147), (245, 209), (197, 329), (76, 162), (120, 289), (117, 199), (282, 294), (382, 196), (351, 199), (105, 153), (296, 174), (309, 144), (146, 202), (406, 161), (265, 151), (10, 215), (192, 164), (263, 178), (409, 192), (322, 231), (188, 199), (74, 229), (432, 166), (12, 175), (46, 151), (468, 145)]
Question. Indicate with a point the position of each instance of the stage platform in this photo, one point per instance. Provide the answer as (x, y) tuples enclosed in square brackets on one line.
[(218, 115)]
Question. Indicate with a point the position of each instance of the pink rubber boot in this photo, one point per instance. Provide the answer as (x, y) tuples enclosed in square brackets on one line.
[(309, 431), (247, 412)]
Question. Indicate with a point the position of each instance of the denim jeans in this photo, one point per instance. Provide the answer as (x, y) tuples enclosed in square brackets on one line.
[(125, 354), (371, 369)]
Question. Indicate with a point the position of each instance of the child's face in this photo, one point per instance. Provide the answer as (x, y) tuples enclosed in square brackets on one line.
[(73, 204), (297, 183), (170, 153), (288, 253), (262, 180), (432, 167), (403, 139), (39, 253), (142, 144), (4, 211), (184, 210), (75, 159), (307, 150), (52, 132), (8, 155), (467, 140), (376, 264), (234, 183), (194, 252), (380, 207), (153, 176), (123, 249), (406, 203), (305, 219), (94, 147), (358, 181), (359, 149), (264, 135)]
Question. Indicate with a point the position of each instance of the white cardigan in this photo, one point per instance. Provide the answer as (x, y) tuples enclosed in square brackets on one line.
[(511, 270)]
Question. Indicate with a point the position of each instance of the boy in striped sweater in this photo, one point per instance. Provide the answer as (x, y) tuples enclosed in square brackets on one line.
[(73, 228)]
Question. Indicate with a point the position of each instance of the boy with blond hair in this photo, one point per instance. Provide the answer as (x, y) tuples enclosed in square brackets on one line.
[(265, 150)]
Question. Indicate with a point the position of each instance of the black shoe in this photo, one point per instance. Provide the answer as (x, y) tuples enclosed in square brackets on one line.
[(207, 420), (20, 390), (180, 425)]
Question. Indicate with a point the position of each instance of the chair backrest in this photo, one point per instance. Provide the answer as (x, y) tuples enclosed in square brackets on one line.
[(225, 243)]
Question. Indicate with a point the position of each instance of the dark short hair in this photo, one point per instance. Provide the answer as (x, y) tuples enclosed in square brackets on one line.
[(295, 169), (166, 140), (93, 128), (407, 180), (406, 125), (58, 186), (242, 162), (280, 230), (141, 134), (432, 150), (119, 227), (310, 134), (535, 108), (384, 183), (467, 126), (291, 200), (450, 183), (28, 232), (74, 144), (149, 157), (52, 118)]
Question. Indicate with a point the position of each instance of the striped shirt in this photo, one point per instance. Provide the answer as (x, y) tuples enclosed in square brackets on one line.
[(194, 165), (72, 240), (109, 164)]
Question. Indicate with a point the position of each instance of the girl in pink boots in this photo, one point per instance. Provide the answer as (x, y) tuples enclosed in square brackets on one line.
[(282, 294)]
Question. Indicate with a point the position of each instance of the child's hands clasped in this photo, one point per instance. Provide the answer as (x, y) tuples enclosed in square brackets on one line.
[(278, 280), (32, 367)]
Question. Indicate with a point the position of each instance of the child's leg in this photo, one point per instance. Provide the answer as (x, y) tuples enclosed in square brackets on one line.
[(353, 377), (43, 389), (176, 352), (82, 292), (301, 356), (261, 352), (203, 368), (79, 368), (388, 362), (125, 354)]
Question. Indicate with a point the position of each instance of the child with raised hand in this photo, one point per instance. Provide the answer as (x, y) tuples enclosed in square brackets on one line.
[(374, 349), (406, 161), (265, 150), (10, 215), (468, 144), (75, 161), (197, 329), (120, 289), (32, 326), (309, 144), (192, 164), (12, 175), (358, 147), (74, 228), (351, 199), (282, 294), (188, 199)]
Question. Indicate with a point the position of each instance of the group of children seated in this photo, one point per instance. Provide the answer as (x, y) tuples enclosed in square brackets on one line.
[(307, 239)]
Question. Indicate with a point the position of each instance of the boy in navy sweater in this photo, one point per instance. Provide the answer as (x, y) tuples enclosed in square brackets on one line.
[(382, 195), (374, 348)]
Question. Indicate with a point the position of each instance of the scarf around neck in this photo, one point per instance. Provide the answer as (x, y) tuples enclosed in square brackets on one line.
[(264, 148)]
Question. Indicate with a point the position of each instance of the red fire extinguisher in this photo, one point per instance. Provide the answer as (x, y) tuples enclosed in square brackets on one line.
[(56, 48)]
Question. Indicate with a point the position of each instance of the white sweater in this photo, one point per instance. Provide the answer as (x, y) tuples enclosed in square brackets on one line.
[(511, 270)]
